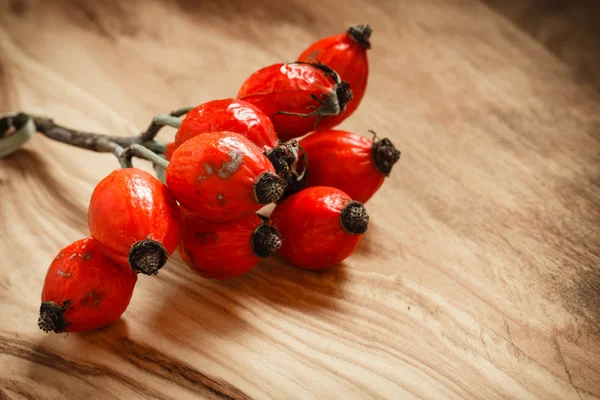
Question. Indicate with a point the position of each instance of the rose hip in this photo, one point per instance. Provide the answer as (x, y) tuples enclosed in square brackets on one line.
[(352, 163), (347, 55), (298, 97), (319, 227), (223, 250), (135, 219), (84, 290), (222, 176), (231, 115)]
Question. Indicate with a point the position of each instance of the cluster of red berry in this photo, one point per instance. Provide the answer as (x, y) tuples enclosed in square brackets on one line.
[(230, 158)]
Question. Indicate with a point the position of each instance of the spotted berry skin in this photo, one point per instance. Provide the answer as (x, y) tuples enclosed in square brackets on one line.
[(222, 176), (224, 250), (83, 290)]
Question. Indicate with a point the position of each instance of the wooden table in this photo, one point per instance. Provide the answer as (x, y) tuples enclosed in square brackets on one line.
[(479, 276)]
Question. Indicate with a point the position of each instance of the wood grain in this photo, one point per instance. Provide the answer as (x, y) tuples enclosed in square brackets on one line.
[(568, 28), (479, 276)]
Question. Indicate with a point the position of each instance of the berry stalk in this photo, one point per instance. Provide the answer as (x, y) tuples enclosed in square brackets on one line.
[(11, 126), (155, 126), (140, 151)]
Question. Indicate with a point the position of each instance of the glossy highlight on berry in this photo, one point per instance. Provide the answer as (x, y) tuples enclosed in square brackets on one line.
[(229, 115), (298, 97)]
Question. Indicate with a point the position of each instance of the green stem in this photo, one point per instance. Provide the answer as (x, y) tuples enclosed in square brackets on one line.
[(168, 120), (96, 141), (141, 152), (17, 128), (156, 146), (154, 127), (86, 140), (161, 173)]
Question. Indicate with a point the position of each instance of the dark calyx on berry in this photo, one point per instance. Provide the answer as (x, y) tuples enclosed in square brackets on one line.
[(331, 104), (268, 188), (336, 101), (265, 240), (298, 175), (52, 316), (361, 34), (385, 155), (296, 183), (354, 218), (147, 256), (344, 95), (284, 157)]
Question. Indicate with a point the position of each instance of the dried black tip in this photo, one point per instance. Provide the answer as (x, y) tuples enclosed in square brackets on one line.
[(147, 257), (284, 157), (296, 183), (265, 240), (344, 94), (354, 218), (268, 188), (385, 155), (289, 166), (52, 317), (334, 102), (361, 34)]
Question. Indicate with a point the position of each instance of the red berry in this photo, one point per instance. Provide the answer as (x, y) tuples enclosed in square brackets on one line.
[(349, 162), (224, 250), (298, 97), (231, 115), (319, 227), (237, 116), (84, 290), (222, 176), (135, 219), (346, 54)]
